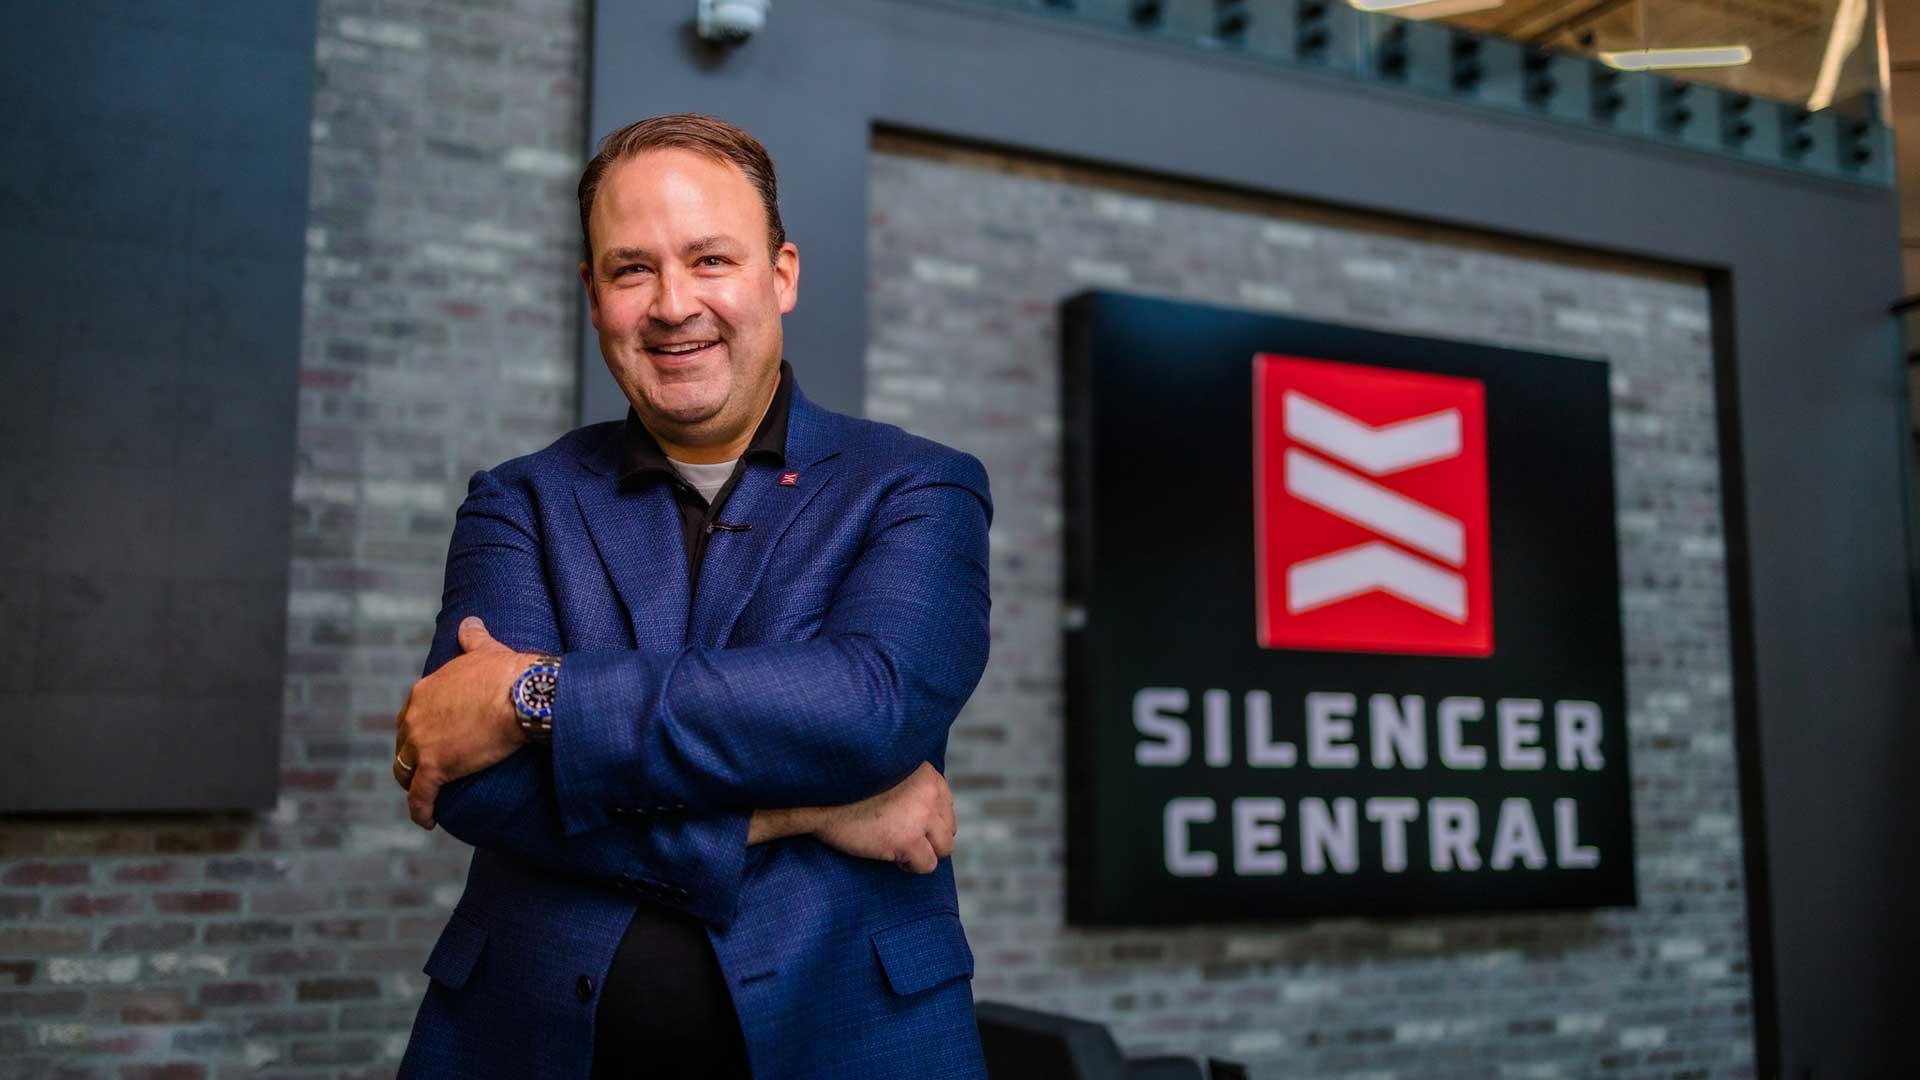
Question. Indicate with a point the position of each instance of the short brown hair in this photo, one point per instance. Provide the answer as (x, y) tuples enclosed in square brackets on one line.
[(706, 135)]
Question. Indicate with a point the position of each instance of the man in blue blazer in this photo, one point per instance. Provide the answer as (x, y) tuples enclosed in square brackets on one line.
[(700, 665)]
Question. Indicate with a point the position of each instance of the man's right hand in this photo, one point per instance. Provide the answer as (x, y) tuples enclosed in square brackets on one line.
[(910, 824)]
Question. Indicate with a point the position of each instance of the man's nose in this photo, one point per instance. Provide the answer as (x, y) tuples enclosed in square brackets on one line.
[(674, 300)]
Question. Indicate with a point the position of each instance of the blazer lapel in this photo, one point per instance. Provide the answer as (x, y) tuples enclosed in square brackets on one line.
[(637, 535), (737, 563)]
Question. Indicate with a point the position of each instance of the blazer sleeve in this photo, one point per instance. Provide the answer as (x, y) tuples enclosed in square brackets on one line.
[(494, 570), (822, 722)]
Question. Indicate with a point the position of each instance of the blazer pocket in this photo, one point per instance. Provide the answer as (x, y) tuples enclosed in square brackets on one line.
[(458, 950), (923, 952)]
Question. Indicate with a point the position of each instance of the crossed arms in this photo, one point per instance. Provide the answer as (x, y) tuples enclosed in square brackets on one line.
[(660, 760)]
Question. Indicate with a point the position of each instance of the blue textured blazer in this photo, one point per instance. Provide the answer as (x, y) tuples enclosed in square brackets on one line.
[(823, 659)]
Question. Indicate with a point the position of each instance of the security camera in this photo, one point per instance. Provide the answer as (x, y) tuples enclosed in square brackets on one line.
[(731, 20)]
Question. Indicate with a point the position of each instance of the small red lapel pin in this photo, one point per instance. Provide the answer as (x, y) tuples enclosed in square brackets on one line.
[(789, 479)]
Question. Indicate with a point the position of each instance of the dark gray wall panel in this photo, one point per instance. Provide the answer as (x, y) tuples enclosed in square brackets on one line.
[(152, 208), (1809, 364)]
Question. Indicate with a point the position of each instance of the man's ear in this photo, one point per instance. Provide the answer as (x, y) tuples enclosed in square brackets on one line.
[(593, 297), (786, 276)]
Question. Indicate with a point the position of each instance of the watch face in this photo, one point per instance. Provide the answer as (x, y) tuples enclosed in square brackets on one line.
[(540, 688), (533, 693)]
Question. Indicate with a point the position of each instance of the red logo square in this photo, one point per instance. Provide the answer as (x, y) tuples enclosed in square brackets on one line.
[(1370, 509), (789, 479)]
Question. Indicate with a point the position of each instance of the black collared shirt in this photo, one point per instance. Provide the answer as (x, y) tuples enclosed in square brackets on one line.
[(645, 461), (665, 1010)]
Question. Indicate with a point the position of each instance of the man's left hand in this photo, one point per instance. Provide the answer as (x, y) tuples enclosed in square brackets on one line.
[(458, 720)]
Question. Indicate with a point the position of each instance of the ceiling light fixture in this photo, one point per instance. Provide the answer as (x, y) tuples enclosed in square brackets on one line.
[(1424, 9), (1698, 56), (1849, 20)]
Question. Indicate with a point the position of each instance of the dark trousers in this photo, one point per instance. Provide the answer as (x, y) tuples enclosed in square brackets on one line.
[(665, 1012)]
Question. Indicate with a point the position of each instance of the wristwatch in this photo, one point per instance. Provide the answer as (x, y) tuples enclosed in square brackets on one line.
[(532, 697)]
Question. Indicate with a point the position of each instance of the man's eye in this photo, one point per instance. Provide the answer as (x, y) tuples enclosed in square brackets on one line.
[(629, 269), (713, 259)]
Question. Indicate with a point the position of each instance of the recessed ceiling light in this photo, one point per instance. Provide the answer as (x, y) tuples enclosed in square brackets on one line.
[(1698, 56), (1425, 9)]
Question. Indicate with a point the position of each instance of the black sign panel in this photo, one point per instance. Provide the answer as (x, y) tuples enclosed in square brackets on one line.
[(1343, 622)]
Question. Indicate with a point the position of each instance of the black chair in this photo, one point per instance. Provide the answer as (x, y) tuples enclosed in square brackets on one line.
[(1026, 1044)]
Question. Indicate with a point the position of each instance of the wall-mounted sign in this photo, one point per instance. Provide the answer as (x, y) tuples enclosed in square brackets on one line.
[(1344, 622)]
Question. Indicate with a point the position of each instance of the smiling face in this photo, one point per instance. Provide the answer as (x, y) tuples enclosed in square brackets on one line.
[(687, 299)]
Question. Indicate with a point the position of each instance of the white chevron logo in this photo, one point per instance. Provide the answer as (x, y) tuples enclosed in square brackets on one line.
[(1364, 503), (1377, 450), (1375, 565)]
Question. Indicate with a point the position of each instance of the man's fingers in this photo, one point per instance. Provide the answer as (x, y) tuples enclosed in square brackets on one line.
[(401, 776), (473, 634), (944, 813), (400, 722), (919, 857), (420, 795), (940, 830)]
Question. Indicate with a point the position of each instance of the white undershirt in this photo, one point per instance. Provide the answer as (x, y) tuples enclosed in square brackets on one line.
[(706, 479)]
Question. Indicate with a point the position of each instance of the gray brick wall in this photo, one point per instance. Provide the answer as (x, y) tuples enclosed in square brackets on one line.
[(439, 337), (969, 256)]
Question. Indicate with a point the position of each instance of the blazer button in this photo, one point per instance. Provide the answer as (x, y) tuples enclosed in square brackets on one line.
[(584, 987)]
